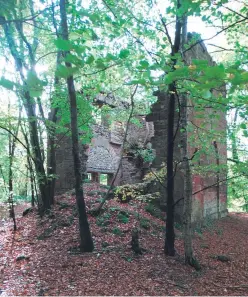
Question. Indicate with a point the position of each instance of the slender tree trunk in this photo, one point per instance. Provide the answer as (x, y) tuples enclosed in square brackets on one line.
[(12, 143), (187, 210), (38, 160), (86, 244), (32, 180), (170, 233), (217, 178), (187, 207), (32, 191), (51, 144), (51, 141), (235, 155), (29, 105), (32, 173), (11, 202)]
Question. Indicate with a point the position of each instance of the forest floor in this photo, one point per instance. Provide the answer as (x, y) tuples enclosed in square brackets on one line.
[(42, 258)]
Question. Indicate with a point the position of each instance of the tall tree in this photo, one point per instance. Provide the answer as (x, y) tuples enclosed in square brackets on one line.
[(29, 83), (86, 244), (169, 247)]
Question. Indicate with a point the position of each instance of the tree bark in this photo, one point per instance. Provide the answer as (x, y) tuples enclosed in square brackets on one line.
[(233, 137), (12, 146), (86, 244), (169, 248), (187, 209), (217, 178)]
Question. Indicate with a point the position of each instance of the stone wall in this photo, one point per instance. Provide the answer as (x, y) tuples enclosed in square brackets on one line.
[(204, 202), (102, 155), (64, 164)]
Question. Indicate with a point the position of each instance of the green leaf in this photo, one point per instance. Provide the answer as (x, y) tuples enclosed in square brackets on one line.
[(32, 79), (137, 82), (7, 84), (206, 94), (90, 59), (36, 92), (63, 71), (110, 57), (243, 126), (62, 44), (100, 64), (73, 59), (34, 84), (144, 64), (124, 53)]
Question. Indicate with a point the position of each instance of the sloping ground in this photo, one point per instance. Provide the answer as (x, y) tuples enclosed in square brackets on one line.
[(51, 265)]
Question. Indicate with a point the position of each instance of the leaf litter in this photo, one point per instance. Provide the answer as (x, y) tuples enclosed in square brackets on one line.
[(41, 257)]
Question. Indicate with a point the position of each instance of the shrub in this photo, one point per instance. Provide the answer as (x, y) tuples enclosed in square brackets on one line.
[(144, 223), (103, 220), (123, 217), (117, 231), (154, 211), (156, 175), (128, 192)]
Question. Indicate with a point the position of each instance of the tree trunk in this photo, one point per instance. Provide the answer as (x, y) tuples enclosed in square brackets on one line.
[(32, 173), (217, 178), (187, 207), (11, 202), (235, 155), (38, 160), (12, 143), (187, 210), (32, 120), (170, 233), (32, 180), (86, 244)]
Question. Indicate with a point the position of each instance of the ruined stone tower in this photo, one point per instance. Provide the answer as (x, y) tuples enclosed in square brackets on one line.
[(206, 189)]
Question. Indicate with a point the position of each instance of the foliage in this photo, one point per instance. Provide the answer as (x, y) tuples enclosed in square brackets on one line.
[(159, 175), (117, 231), (123, 217), (154, 211), (103, 220), (144, 223), (128, 192), (146, 154)]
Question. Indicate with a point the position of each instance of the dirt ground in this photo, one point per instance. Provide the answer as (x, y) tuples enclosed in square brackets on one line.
[(42, 258)]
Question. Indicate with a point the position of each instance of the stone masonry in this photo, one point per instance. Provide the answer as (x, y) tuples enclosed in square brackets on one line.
[(205, 201), (102, 155)]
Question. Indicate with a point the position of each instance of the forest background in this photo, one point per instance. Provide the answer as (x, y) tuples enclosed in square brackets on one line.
[(52, 51)]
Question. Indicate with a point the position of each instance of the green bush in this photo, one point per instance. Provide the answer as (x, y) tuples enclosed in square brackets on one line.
[(123, 217), (117, 231), (103, 220), (144, 223), (154, 211), (20, 198)]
